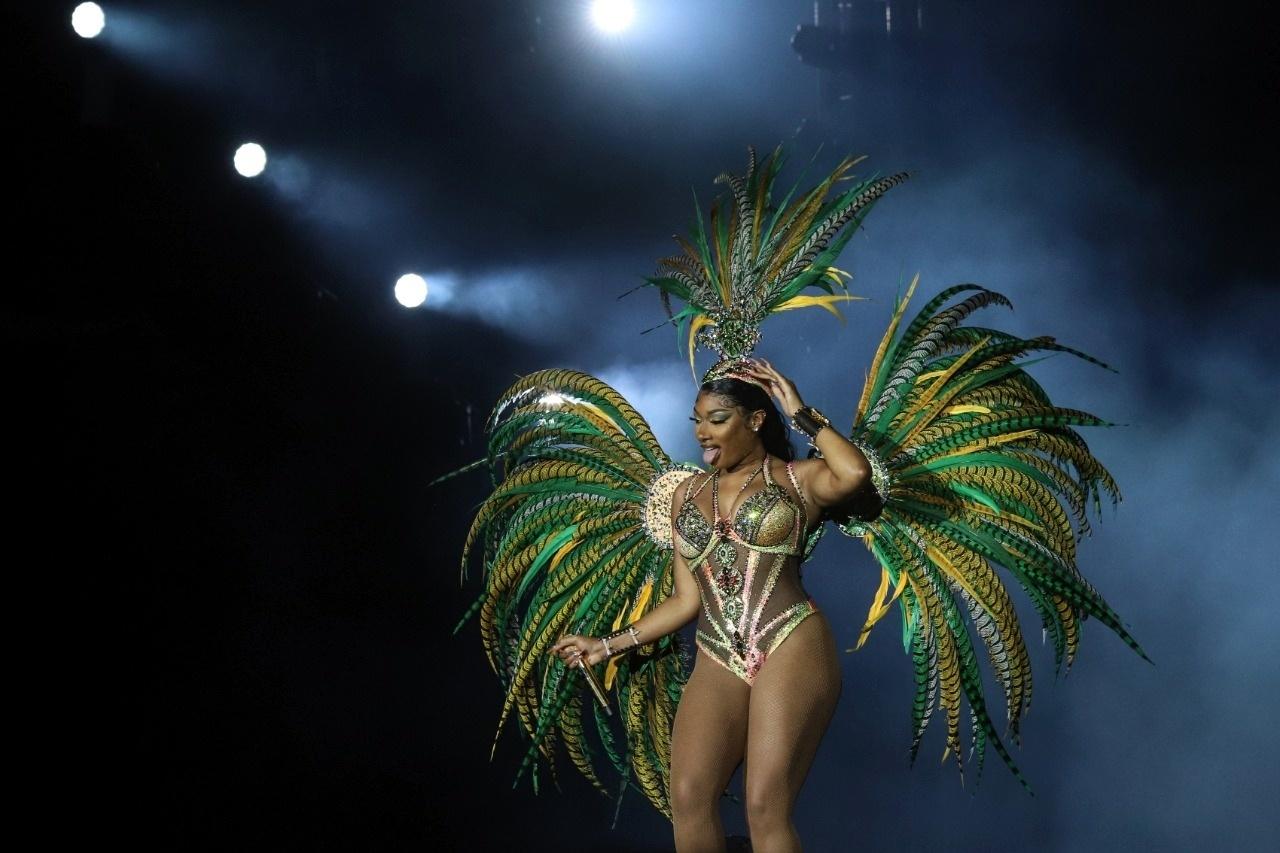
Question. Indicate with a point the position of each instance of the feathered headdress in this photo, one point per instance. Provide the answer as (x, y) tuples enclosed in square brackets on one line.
[(757, 257)]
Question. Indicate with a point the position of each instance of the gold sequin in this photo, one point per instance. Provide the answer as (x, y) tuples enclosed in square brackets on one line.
[(767, 517)]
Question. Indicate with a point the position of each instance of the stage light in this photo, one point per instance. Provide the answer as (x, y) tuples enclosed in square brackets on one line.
[(411, 290), (612, 16), (88, 20), (250, 159)]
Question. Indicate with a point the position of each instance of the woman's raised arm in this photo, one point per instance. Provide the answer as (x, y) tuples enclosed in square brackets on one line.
[(842, 472)]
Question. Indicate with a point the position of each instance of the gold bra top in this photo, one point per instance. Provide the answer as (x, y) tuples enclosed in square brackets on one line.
[(768, 520)]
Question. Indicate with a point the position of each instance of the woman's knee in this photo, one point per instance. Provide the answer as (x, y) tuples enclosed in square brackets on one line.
[(768, 805), (693, 797)]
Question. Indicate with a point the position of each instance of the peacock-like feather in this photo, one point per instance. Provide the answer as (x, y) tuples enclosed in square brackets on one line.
[(977, 472), (973, 464), (751, 257), (568, 548)]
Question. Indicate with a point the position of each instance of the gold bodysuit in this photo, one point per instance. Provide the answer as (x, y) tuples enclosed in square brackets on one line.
[(751, 593)]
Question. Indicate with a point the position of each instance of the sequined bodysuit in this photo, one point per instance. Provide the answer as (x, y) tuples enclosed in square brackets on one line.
[(750, 586)]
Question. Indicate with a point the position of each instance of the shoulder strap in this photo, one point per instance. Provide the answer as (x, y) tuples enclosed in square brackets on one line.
[(791, 473), (707, 479), (804, 503)]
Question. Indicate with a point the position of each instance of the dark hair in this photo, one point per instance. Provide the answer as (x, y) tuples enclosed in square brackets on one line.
[(774, 431)]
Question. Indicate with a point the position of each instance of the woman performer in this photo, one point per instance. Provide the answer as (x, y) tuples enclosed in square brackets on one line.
[(738, 571)]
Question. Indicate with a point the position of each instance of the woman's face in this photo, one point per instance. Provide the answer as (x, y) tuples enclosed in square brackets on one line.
[(726, 432)]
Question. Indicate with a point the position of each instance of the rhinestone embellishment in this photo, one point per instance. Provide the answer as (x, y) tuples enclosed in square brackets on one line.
[(729, 581), (726, 555), (733, 609)]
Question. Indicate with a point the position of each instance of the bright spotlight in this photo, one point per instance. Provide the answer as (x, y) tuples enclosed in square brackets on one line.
[(612, 16), (411, 290), (250, 159), (88, 20)]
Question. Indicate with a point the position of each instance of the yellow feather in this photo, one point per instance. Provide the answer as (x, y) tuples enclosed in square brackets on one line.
[(601, 415), (949, 569), (561, 553), (883, 348), (980, 444), (637, 610), (873, 615), (804, 300), (928, 396), (806, 211), (880, 607), (834, 274), (698, 322), (642, 601)]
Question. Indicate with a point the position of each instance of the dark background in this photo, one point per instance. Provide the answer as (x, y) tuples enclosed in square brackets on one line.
[(249, 590)]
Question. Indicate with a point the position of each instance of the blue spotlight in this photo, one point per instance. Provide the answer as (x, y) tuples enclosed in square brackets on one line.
[(613, 16), (88, 20), (250, 159), (411, 290)]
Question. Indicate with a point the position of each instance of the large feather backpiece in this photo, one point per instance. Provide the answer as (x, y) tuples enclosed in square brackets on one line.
[(973, 464), (576, 538), (753, 256)]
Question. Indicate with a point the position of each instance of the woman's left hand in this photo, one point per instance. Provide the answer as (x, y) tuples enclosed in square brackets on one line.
[(780, 386)]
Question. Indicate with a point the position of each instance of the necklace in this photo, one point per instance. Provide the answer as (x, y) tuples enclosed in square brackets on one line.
[(722, 524)]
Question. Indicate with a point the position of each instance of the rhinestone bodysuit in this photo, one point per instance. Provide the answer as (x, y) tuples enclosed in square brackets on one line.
[(750, 585)]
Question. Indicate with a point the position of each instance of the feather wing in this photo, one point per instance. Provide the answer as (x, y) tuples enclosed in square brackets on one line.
[(972, 466), (576, 538)]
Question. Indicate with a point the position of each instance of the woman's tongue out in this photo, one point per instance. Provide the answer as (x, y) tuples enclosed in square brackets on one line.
[(710, 455)]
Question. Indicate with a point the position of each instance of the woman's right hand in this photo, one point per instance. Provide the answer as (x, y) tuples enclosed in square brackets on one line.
[(570, 646)]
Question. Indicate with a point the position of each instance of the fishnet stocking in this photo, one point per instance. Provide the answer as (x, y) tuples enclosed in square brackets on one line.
[(776, 725), (792, 702), (708, 741)]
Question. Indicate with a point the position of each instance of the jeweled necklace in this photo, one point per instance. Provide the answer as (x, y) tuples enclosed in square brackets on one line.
[(723, 524)]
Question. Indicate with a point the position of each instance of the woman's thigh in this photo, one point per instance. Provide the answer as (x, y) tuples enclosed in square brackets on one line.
[(709, 734), (792, 702)]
